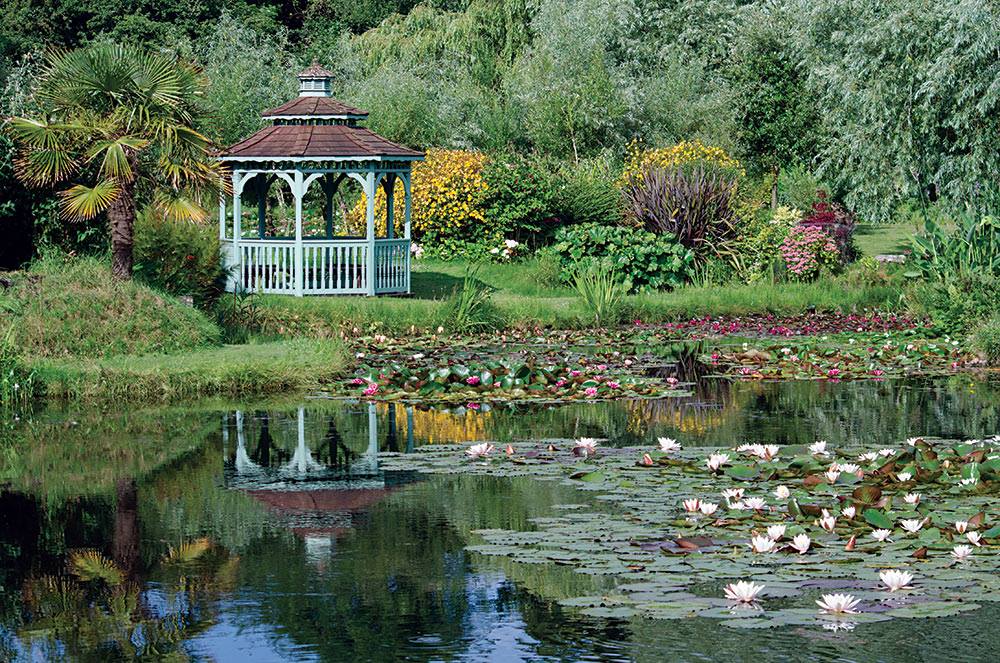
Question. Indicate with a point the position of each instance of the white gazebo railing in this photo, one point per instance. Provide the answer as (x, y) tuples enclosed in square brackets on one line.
[(326, 267)]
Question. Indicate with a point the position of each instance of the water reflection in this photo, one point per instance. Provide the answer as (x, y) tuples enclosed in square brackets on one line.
[(269, 532)]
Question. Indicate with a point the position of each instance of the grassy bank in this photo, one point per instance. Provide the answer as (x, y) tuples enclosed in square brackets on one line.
[(232, 370), (524, 299)]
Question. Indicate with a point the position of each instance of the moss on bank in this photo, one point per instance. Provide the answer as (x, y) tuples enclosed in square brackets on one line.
[(232, 370)]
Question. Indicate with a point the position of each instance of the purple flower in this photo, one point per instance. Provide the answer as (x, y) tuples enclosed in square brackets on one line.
[(590, 391), (472, 380)]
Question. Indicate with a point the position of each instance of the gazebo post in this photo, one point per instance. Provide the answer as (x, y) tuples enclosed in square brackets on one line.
[(237, 226), (389, 185), (370, 231), (263, 184), (297, 192), (406, 224)]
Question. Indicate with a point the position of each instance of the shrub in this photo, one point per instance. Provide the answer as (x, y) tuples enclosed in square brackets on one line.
[(958, 303), (838, 224), (758, 246), (519, 200), (587, 193), (694, 206), (806, 250), (972, 248), (180, 258), (602, 290), (986, 339), (647, 261), (470, 307), (798, 188), (685, 155)]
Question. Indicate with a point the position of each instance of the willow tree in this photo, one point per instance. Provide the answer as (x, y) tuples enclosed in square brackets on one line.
[(117, 129)]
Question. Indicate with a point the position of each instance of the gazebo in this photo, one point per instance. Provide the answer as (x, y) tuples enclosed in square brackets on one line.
[(315, 138)]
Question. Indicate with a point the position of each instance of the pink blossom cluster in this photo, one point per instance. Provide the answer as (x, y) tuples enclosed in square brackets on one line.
[(805, 250)]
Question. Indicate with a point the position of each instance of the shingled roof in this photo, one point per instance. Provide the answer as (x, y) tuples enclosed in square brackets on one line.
[(319, 141), (315, 71), (317, 107)]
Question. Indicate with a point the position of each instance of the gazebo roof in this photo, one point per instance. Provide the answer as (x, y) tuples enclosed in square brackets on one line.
[(317, 141), (314, 107)]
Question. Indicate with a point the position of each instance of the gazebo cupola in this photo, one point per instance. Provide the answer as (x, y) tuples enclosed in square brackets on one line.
[(315, 138)]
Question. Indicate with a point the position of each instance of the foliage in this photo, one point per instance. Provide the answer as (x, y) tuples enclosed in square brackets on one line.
[(66, 307), (685, 155), (17, 380), (694, 206), (519, 200), (909, 97), (118, 124), (958, 303), (180, 258), (971, 248), (586, 192), (602, 291), (646, 260), (758, 246), (470, 307), (837, 222), (807, 250), (798, 187), (986, 339)]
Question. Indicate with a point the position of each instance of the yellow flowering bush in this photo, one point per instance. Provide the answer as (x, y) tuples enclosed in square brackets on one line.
[(683, 154), (447, 192)]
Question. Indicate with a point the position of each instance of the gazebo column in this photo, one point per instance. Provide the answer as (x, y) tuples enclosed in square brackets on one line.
[(238, 179), (406, 224), (263, 186), (389, 185), (370, 232), (330, 186), (298, 191)]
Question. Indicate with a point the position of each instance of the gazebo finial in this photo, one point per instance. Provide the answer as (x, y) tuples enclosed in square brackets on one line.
[(314, 81)]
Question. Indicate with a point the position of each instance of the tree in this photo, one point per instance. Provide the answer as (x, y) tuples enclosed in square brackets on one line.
[(117, 128), (776, 112)]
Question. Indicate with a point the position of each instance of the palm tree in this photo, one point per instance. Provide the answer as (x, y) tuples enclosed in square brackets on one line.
[(118, 130)]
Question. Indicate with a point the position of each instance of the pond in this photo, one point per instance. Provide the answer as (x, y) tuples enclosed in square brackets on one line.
[(273, 530)]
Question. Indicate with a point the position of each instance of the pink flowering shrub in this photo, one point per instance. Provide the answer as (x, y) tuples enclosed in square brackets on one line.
[(806, 250)]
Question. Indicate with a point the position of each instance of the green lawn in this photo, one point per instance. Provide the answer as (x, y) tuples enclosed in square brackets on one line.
[(892, 238)]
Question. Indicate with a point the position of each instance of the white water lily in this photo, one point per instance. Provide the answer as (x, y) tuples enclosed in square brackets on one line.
[(974, 538), (801, 543), (868, 457), (911, 525), (761, 544), (886, 452), (838, 604), (755, 503), (585, 445), (827, 521), (668, 445), (479, 450), (882, 535), (738, 505), (715, 461), (911, 498), (912, 441), (782, 492), (961, 526), (746, 447), (895, 580), (904, 476), (708, 508), (742, 591), (971, 481), (692, 505), (961, 553), (831, 475), (767, 451), (849, 512), (776, 531), (818, 448), (847, 468), (732, 494)]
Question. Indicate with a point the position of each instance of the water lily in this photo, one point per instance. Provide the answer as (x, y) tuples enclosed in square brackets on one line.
[(961, 553), (472, 380), (590, 391), (868, 457), (912, 498), (510, 450), (732, 494), (847, 468), (766, 451), (776, 531), (801, 543), (912, 441), (895, 580), (974, 538), (838, 604), (827, 521), (761, 544), (961, 526), (738, 505), (911, 525), (668, 445), (782, 492), (708, 508), (881, 535), (849, 512), (585, 446), (479, 450), (971, 481), (831, 475), (742, 591), (755, 503), (692, 505), (818, 448), (904, 476), (715, 461), (886, 452)]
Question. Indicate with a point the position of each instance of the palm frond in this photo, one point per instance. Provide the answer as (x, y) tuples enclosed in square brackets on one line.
[(114, 155), (84, 203), (188, 551), (180, 205), (90, 565)]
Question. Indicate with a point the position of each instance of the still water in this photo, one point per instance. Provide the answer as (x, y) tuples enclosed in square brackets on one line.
[(267, 531)]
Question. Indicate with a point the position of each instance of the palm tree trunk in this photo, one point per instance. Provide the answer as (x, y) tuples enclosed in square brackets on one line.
[(121, 218)]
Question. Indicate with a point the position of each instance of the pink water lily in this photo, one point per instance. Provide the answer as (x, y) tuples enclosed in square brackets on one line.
[(481, 450)]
